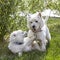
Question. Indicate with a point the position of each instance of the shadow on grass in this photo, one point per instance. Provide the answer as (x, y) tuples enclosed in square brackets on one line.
[(6, 54)]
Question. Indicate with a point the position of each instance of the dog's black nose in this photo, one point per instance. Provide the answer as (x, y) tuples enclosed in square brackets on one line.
[(33, 26)]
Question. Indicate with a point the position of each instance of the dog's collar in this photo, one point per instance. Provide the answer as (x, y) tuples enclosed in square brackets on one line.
[(38, 30), (18, 43)]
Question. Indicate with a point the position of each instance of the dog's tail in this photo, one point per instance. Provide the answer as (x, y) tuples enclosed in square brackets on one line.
[(46, 18)]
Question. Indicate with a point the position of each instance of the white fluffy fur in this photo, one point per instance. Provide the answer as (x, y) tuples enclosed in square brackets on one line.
[(16, 36), (40, 30)]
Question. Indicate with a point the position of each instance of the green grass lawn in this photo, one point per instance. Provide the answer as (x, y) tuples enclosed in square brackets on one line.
[(52, 53)]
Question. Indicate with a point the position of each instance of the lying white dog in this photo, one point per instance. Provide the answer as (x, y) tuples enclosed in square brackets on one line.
[(39, 29), (18, 43)]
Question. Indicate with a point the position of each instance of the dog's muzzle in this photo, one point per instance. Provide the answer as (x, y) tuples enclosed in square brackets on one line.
[(33, 28), (38, 30)]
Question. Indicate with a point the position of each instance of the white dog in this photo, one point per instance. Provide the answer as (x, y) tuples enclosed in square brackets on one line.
[(18, 43), (39, 29)]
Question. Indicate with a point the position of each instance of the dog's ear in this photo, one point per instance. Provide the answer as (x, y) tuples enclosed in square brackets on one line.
[(39, 14), (28, 16)]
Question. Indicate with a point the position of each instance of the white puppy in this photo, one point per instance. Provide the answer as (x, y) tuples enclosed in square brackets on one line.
[(39, 29), (16, 41)]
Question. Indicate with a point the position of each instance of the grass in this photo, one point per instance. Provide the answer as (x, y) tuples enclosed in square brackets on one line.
[(52, 53)]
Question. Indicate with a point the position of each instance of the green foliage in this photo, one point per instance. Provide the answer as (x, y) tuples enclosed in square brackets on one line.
[(9, 16), (39, 5), (7, 7), (53, 4), (34, 5)]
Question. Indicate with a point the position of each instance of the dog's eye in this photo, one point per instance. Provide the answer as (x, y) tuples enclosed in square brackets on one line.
[(14, 35), (30, 22), (36, 21)]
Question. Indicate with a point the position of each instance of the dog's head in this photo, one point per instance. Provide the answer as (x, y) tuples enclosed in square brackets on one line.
[(17, 36), (35, 21)]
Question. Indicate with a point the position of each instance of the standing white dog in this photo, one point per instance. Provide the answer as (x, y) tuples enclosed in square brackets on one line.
[(39, 29)]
